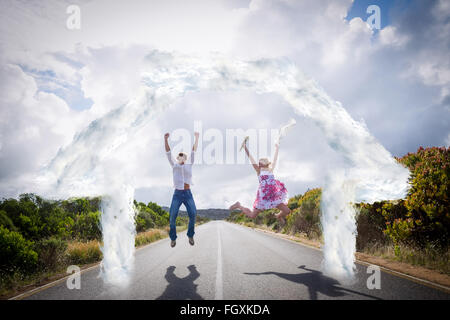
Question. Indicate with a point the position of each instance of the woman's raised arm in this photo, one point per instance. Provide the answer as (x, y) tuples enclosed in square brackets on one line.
[(275, 156), (252, 160)]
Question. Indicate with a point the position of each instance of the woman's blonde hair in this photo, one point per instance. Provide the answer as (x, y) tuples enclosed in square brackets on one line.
[(264, 162)]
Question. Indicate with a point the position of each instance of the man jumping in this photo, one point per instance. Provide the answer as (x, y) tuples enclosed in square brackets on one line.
[(182, 179)]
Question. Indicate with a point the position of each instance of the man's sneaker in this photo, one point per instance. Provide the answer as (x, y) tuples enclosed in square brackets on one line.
[(173, 243), (191, 241)]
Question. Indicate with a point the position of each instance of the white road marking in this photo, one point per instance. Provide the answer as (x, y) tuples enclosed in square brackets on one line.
[(219, 283)]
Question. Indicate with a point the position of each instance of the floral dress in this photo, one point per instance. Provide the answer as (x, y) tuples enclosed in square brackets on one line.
[(271, 192)]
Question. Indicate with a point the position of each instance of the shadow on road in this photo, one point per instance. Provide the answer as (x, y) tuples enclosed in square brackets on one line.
[(181, 288), (316, 283)]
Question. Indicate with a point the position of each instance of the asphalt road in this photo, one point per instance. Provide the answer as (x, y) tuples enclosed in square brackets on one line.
[(232, 262)]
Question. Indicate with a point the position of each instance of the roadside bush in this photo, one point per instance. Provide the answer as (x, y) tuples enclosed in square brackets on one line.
[(428, 216), (51, 253), (238, 217), (87, 226), (306, 218), (150, 216), (293, 202), (267, 217), (182, 220), (144, 219), (374, 223), (16, 254), (156, 208), (56, 223), (6, 221), (160, 220)]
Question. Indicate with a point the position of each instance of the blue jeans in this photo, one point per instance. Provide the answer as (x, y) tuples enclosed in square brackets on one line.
[(182, 197)]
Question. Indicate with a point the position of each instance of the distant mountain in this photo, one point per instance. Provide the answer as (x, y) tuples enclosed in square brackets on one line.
[(213, 214)]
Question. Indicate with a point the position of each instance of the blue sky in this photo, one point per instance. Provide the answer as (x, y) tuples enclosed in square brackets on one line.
[(359, 9), (70, 92)]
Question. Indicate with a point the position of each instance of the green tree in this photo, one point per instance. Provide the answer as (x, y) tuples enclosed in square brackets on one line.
[(87, 226), (145, 218), (6, 221), (156, 208), (24, 215)]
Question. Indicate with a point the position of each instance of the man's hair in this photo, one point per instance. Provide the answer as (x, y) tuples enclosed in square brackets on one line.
[(182, 154)]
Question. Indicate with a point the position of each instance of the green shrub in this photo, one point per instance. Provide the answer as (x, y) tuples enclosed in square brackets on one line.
[(87, 226), (161, 220), (16, 253), (6, 221), (370, 225), (57, 224), (238, 217), (293, 202), (51, 253), (144, 219), (182, 220), (156, 208), (428, 199), (306, 218)]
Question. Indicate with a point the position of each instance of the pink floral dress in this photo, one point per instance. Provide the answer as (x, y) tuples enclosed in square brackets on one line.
[(271, 192)]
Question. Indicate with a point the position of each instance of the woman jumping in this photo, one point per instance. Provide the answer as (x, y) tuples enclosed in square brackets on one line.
[(271, 192)]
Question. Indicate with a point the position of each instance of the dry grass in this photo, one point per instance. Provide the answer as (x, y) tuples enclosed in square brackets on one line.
[(149, 236), (84, 252), (429, 258)]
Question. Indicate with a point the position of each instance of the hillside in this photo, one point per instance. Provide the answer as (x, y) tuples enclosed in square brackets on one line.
[(213, 214)]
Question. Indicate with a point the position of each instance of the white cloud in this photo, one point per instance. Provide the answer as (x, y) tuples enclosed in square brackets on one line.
[(390, 37), (33, 126)]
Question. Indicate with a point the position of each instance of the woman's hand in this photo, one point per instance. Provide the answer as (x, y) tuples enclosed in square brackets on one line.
[(194, 147), (166, 136)]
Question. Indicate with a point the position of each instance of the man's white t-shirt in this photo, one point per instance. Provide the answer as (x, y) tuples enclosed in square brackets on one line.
[(182, 173)]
